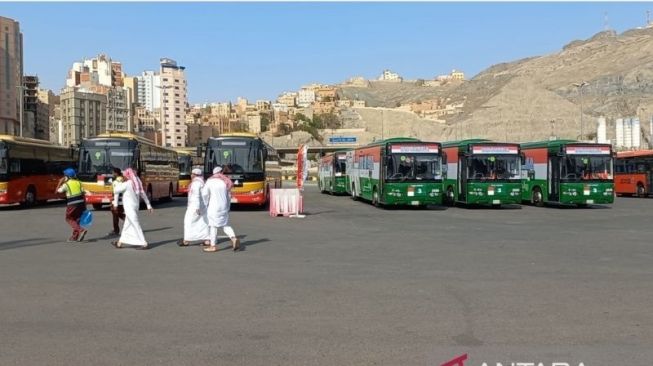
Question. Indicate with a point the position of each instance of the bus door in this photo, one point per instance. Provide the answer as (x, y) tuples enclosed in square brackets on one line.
[(554, 178), (462, 177)]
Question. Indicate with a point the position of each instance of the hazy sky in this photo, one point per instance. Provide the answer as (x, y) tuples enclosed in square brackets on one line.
[(258, 50)]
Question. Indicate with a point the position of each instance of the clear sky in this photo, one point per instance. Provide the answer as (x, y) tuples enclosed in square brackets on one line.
[(258, 50)]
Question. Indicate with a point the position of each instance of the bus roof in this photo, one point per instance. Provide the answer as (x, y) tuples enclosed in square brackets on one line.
[(239, 134), (27, 140), (634, 154), (463, 143), (392, 140), (548, 144), (123, 135)]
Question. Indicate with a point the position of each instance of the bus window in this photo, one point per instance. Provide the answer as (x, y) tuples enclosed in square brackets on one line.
[(3, 162), (578, 168), (494, 167), (341, 166), (413, 167), (103, 160)]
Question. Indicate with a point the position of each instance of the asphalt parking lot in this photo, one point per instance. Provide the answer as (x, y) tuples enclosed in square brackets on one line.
[(349, 284)]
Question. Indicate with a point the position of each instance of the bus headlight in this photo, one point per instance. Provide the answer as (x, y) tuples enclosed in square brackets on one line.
[(3, 191), (258, 191)]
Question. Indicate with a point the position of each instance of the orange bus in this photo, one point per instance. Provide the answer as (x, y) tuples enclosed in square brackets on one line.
[(634, 173), (30, 169), (158, 167)]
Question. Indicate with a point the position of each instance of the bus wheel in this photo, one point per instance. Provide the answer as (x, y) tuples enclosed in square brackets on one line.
[(640, 190), (449, 198), (537, 198), (30, 197), (97, 206), (375, 198)]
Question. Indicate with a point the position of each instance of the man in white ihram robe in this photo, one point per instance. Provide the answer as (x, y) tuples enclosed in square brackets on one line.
[(196, 225), (219, 201), (132, 191)]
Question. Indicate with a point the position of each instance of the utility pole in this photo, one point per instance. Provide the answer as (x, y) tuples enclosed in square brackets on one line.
[(580, 93), (20, 101)]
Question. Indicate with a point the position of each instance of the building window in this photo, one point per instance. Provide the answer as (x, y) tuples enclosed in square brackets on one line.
[(165, 79)]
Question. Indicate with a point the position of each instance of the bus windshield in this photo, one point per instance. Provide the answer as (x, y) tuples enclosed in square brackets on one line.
[(576, 168), (491, 167), (238, 157), (340, 163), (102, 160), (402, 167), (185, 165)]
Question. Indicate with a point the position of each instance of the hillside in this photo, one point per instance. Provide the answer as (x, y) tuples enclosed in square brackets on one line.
[(519, 100)]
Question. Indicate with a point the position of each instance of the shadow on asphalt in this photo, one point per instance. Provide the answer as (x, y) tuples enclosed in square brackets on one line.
[(491, 207), (39, 206), (25, 243), (157, 229)]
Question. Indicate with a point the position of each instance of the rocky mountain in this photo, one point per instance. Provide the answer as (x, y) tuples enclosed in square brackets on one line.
[(534, 98)]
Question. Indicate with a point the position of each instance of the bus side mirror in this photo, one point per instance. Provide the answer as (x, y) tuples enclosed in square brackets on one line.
[(444, 158), (522, 156), (265, 154), (199, 150)]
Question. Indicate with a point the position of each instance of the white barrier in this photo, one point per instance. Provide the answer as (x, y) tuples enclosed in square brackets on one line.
[(286, 202)]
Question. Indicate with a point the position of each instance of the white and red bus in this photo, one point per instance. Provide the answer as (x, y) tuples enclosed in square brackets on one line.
[(634, 173), (30, 169)]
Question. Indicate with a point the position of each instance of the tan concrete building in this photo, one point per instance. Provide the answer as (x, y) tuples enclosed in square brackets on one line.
[(263, 105), (199, 134), (288, 98), (173, 103), (144, 119), (83, 114), (221, 109), (11, 75)]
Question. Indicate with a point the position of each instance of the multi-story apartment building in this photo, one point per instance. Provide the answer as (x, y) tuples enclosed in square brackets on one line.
[(305, 97), (149, 93), (36, 120), (100, 70), (263, 105), (221, 109), (11, 75), (173, 103), (388, 75), (83, 114), (288, 98)]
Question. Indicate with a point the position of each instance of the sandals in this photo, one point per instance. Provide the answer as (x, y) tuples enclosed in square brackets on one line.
[(116, 244), (235, 243), (183, 243), (143, 247), (210, 249)]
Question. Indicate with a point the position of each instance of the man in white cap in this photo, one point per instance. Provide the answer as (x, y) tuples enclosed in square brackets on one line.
[(217, 193), (196, 225)]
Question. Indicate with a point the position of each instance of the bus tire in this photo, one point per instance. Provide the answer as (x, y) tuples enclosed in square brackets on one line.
[(449, 198), (536, 197), (641, 192), (97, 206), (375, 198), (30, 197)]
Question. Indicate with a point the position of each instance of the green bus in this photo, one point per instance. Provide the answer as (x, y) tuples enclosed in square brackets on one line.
[(397, 171), (332, 173), (568, 172), (482, 172)]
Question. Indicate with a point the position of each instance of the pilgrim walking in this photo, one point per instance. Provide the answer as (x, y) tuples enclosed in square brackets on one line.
[(219, 201), (196, 226), (131, 191), (75, 204)]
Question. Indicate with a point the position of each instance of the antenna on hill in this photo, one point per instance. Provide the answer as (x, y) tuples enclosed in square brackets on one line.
[(606, 23), (648, 18)]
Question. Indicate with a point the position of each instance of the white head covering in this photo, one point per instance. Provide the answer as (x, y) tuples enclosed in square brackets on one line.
[(217, 169), (197, 171)]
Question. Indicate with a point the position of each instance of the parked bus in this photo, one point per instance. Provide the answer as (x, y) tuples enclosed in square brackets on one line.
[(483, 172), (158, 167), (30, 169), (332, 173), (185, 168), (251, 163), (634, 173), (568, 172), (397, 171)]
